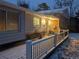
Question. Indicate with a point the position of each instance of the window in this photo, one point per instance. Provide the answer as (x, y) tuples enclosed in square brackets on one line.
[(2, 20), (43, 27), (36, 22), (43, 22), (8, 21), (12, 21)]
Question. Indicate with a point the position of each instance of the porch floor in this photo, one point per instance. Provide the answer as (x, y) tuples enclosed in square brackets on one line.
[(69, 52), (17, 52)]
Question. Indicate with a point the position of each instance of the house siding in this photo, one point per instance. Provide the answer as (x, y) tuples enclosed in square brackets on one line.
[(28, 23)]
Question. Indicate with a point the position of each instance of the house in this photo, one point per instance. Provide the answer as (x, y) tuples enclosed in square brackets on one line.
[(39, 22), (16, 22), (11, 23), (62, 14)]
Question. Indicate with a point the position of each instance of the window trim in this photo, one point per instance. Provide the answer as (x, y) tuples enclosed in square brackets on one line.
[(6, 11), (16, 20)]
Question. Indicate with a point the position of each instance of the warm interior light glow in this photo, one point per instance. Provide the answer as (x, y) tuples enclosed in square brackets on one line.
[(53, 24), (43, 21), (54, 19), (49, 22), (36, 21)]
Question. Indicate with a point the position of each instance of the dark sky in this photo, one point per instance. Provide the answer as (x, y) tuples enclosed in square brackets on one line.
[(12, 1)]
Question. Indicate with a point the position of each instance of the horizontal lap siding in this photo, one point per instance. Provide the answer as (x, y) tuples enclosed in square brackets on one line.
[(11, 38), (29, 23)]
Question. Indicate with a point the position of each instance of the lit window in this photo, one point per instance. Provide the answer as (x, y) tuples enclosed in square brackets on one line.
[(43, 22), (49, 22), (36, 22)]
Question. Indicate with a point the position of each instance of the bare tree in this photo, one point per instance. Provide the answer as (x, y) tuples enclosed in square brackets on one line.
[(58, 4), (22, 3), (64, 3)]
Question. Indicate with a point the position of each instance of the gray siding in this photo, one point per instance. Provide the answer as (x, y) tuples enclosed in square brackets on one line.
[(28, 23), (7, 38)]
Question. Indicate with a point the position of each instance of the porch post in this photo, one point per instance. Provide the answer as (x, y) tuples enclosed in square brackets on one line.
[(29, 49), (55, 40)]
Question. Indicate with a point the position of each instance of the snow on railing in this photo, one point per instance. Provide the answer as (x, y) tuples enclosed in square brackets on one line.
[(40, 48)]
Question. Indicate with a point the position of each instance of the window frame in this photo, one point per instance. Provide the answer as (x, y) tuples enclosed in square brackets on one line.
[(12, 19), (36, 19), (18, 21)]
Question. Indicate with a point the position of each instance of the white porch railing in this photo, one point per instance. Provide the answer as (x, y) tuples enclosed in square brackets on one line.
[(40, 48)]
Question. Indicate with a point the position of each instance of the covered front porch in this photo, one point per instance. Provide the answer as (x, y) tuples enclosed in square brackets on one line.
[(40, 48)]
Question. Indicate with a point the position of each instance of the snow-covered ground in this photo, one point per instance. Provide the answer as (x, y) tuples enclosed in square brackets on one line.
[(69, 51), (72, 51), (74, 36)]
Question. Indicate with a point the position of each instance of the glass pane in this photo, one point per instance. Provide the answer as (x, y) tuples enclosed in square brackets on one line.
[(2, 20), (36, 21), (12, 21), (43, 24)]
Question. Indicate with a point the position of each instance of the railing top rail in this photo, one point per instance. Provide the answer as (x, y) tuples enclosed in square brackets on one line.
[(43, 39), (64, 31)]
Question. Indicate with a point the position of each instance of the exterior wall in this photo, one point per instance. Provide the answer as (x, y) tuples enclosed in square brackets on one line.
[(64, 22), (28, 23), (29, 19), (7, 37), (45, 25)]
